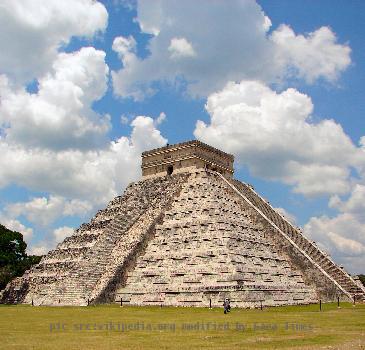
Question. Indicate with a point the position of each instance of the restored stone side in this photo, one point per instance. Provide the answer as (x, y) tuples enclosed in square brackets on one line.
[(325, 288), (317, 268)]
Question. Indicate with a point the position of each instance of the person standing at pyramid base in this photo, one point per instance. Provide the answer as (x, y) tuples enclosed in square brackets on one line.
[(226, 305)]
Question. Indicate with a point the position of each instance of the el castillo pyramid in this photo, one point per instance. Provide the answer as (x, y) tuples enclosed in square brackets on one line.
[(187, 234)]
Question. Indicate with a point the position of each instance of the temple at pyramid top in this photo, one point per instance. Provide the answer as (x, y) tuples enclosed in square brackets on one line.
[(185, 157)]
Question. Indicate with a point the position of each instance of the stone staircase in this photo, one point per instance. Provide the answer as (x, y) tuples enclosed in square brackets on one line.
[(320, 259), (87, 283), (87, 261)]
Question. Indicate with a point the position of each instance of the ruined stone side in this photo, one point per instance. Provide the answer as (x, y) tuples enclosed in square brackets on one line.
[(68, 274), (15, 291), (141, 233)]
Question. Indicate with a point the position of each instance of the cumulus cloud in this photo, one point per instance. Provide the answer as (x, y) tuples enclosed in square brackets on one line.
[(228, 46), (33, 31), (273, 134), (16, 225), (233, 44), (51, 139), (44, 211), (79, 181), (354, 205), (61, 233), (124, 47), (160, 119), (288, 216), (343, 235), (180, 48), (39, 249), (92, 175), (41, 246), (317, 55), (60, 114)]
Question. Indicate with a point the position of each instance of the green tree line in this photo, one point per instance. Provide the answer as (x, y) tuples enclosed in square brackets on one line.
[(14, 261), (362, 279)]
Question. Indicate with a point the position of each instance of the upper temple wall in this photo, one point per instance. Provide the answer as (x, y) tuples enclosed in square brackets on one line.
[(185, 157)]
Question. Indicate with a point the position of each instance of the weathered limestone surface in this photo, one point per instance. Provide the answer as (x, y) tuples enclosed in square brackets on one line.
[(187, 239), (211, 246), (183, 157), (317, 267), (83, 266)]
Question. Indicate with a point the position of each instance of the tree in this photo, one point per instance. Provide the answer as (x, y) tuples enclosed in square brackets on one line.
[(362, 279), (14, 261)]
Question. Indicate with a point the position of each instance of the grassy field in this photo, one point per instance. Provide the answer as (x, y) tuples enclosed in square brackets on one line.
[(114, 327)]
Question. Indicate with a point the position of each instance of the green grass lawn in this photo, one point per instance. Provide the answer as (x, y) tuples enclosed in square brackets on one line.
[(114, 327)]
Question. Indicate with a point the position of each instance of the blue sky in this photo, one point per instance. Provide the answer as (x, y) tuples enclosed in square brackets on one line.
[(86, 87)]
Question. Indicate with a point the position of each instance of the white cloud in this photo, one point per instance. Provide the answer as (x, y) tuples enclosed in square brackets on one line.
[(145, 133), (345, 245), (124, 46), (314, 56), (79, 182), (15, 225), (290, 217), (39, 249), (32, 31), (54, 237), (43, 211), (52, 141), (92, 175), (160, 119), (272, 133), (124, 119), (232, 44), (343, 235), (61, 233), (150, 18), (354, 205), (180, 48), (60, 115)]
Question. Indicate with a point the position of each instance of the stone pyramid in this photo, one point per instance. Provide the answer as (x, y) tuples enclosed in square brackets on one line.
[(187, 234)]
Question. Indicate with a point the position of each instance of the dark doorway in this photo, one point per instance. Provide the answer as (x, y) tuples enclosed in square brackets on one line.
[(170, 170)]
